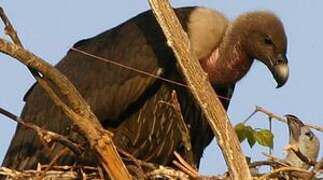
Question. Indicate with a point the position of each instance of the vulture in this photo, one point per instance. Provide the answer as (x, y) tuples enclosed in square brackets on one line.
[(135, 106)]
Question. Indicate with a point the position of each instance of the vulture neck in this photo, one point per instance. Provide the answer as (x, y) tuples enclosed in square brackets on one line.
[(229, 62)]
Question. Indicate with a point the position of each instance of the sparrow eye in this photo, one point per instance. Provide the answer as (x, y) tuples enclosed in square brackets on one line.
[(309, 134)]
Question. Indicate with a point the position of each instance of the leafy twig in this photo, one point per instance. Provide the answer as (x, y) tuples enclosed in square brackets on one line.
[(279, 118)]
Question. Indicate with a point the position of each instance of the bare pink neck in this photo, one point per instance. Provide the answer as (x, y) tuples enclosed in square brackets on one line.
[(226, 65)]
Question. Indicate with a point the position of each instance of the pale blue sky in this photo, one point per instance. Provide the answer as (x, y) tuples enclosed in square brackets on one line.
[(49, 28)]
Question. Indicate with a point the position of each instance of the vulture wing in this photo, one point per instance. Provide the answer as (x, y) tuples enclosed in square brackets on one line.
[(113, 92), (136, 107)]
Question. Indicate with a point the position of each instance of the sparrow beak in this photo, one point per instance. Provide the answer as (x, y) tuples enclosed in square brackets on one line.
[(294, 126)]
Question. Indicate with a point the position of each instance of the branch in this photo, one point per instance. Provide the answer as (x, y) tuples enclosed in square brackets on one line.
[(9, 30), (63, 172), (275, 172), (169, 173), (77, 109), (300, 155), (275, 159), (271, 163), (202, 89), (44, 135), (184, 166), (281, 119)]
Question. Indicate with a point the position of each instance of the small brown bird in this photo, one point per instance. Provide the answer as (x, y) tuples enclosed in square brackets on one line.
[(131, 103), (304, 139)]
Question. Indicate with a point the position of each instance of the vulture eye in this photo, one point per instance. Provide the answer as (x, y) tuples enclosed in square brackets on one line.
[(268, 41)]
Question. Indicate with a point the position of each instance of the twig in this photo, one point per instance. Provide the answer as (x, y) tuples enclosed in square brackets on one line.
[(284, 169), (45, 135), (301, 156), (9, 30), (249, 117), (66, 173), (275, 159), (266, 163), (184, 169), (201, 89), (54, 160), (138, 162), (184, 166), (68, 168), (168, 173), (281, 119)]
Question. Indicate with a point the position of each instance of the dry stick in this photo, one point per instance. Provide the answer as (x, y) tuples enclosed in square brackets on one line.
[(52, 174), (184, 169), (302, 157), (44, 135), (202, 89), (187, 167), (80, 113), (167, 172), (55, 159), (52, 162), (9, 30), (283, 169), (138, 162), (281, 119), (265, 163)]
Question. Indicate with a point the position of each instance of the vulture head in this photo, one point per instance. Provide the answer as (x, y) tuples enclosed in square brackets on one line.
[(265, 40), (256, 35)]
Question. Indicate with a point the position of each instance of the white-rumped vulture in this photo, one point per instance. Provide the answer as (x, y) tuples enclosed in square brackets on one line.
[(132, 104)]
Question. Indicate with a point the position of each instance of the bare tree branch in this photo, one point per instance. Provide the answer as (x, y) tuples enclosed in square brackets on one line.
[(63, 172), (281, 119), (168, 173), (44, 135), (266, 163), (201, 89), (184, 166), (275, 172), (76, 109), (301, 156), (9, 29)]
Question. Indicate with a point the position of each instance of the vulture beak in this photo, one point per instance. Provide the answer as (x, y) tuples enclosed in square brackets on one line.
[(280, 70), (294, 126)]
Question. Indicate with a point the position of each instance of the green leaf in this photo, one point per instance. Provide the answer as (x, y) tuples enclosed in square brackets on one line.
[(245, 132), (250, 136), (240, 130), (264, 137)]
